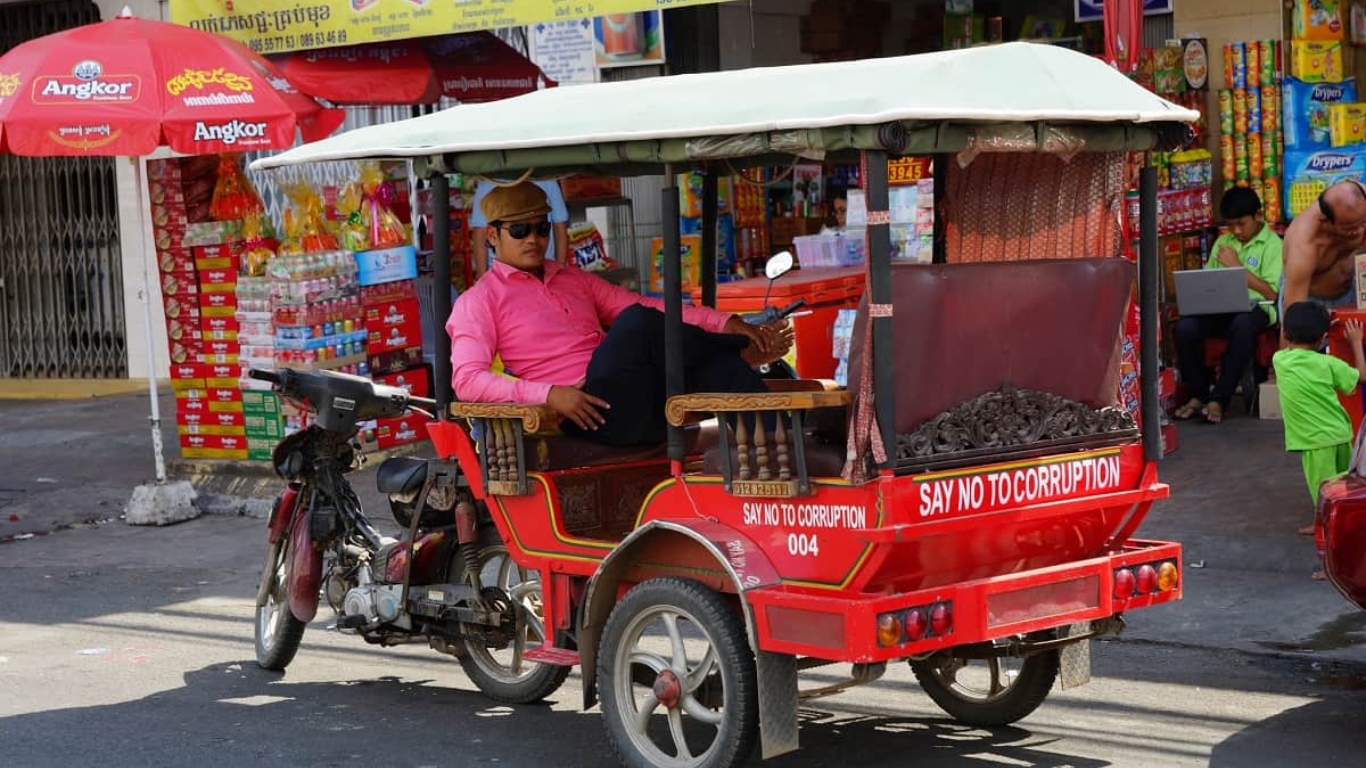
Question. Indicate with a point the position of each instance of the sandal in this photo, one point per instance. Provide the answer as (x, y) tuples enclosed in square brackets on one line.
[(1188, 411), (1214, 413)]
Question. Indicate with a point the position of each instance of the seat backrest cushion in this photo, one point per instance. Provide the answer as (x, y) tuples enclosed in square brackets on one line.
[(961, 330)]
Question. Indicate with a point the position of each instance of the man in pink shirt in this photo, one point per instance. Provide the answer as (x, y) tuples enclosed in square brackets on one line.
[(591, 350)]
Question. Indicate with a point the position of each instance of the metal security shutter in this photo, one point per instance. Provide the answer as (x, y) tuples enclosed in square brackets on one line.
[(61, 270)]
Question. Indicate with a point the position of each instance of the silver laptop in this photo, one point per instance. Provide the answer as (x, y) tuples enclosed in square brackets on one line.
[(1212, 291)]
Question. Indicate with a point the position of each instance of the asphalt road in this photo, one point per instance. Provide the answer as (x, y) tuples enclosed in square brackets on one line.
[(123, 647)]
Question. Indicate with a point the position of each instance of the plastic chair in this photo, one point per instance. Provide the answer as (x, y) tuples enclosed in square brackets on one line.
[(1268, 341)]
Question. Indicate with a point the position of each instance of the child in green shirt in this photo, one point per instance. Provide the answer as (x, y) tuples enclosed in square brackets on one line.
[(1316, 426)]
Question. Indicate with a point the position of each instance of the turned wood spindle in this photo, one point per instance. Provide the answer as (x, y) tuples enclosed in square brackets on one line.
[(784, 461), (761, 448), (742, 446), (507, 450)]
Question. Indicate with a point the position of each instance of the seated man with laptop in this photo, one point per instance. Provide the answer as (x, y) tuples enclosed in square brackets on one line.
[(1233, 298)]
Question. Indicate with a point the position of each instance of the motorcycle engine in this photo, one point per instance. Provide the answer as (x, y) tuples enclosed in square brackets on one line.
[(378, 603)]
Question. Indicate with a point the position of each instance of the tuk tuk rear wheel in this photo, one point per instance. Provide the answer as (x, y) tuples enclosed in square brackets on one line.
[(987, 692), (677, 678)]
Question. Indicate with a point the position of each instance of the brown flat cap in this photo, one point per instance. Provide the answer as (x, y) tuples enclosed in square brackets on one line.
[(518, 202)]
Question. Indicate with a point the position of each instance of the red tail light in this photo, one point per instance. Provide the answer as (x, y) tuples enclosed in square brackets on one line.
[(917, 624), (1147, 579), (1124, 584), (941, 618)]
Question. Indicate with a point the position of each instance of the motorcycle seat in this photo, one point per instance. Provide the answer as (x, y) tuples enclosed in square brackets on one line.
[(401, 474)]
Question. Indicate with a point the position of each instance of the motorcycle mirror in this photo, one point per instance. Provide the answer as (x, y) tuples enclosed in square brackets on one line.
[(779, 264)]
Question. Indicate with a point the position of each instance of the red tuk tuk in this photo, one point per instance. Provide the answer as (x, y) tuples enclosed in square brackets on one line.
[(968, 504)]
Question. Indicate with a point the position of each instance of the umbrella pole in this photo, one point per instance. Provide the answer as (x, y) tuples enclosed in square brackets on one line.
[(155, 417)]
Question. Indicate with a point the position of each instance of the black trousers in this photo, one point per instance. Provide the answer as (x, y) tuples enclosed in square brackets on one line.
[(1241, 329), (627, 371)]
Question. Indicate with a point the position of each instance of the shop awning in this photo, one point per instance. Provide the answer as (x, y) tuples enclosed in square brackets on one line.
[(936, 99), (471, 68)]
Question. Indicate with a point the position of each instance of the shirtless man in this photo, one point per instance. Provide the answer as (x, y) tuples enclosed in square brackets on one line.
[(1319, 245)]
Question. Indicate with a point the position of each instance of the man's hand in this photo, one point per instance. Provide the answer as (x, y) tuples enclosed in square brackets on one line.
[(1228, 257), (1354, 332), (578, 406), (765, 341)]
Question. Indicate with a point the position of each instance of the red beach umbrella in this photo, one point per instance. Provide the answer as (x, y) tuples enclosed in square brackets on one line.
[(128, 86), (472, 67)]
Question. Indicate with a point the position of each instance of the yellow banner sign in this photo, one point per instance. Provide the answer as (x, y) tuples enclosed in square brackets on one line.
[(270, 27)]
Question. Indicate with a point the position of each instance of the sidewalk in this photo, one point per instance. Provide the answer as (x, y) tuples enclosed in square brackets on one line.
[(1237, 499)]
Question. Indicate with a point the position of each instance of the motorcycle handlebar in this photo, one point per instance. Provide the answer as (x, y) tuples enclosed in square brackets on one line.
[(260, 375)]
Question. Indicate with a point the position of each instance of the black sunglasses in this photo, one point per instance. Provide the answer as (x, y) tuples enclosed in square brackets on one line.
[(520, 230)]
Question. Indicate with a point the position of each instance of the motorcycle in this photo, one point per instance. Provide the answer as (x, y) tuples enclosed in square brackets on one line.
[(449, 581)]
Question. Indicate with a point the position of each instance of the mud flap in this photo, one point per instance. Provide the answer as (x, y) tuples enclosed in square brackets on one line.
[(1074, 661), (777, 673)]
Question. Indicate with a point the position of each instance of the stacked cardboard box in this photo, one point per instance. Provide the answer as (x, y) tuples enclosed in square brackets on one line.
[(393, 328), (264, 423), (198, 266)]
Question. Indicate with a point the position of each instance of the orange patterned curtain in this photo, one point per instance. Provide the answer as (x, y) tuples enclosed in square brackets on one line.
[(1017, 206)]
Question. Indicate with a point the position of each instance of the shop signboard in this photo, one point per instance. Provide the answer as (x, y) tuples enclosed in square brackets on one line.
[(1094, 10), (269, 26), (564, 51)]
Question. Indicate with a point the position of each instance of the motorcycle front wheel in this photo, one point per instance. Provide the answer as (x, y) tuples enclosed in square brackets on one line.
[(278, 633), (503, 674)]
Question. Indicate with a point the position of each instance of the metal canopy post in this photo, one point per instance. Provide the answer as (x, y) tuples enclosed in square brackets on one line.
[(709, 255), (674, 381), (879, 243), (441, 298), (1149, 273)]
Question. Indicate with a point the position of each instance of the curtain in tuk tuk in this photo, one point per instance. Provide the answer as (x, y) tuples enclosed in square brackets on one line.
[(1019, 206)]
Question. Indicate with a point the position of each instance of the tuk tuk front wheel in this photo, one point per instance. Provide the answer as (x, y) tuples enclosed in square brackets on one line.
[(987, 692), (677, 678)]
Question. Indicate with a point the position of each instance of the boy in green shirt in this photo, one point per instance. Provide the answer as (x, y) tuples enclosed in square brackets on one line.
[(1316, 426), (1252, 245)]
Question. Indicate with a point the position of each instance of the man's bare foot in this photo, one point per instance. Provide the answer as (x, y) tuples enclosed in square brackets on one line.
[(1307, 530), (1318, 576)]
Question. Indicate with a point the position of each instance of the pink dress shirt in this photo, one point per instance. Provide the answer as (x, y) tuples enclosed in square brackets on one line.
[(545, 332)]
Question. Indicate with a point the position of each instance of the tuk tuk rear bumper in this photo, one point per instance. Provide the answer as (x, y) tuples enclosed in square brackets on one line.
[(844, 627)]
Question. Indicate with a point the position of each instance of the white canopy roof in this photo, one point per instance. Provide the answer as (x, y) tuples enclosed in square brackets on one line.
[(1015, 82)]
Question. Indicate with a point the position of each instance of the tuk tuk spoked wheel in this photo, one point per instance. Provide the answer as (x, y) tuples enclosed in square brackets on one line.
[(278, 632), (677, 678), (502, 673), (987, 692)]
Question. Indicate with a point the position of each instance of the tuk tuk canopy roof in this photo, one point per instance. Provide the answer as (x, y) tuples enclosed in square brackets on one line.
[(906, 105)]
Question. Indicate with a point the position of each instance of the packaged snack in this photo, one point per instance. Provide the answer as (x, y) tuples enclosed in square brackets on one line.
[(1235, 65), (257, 249), (234, 198), (1317, 20), (304, 231), (1316, 61), (587, 248), (1347, 124), (368, 207), (1304, 111)]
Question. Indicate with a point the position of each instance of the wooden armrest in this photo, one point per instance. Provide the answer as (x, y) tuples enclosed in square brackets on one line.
[(535, 418), (802, 385), (678, 408)]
